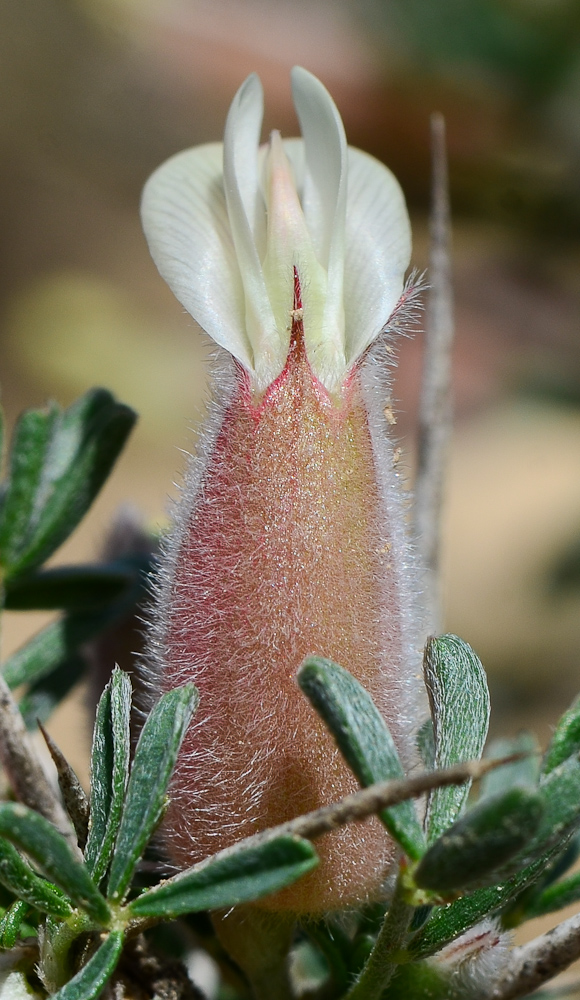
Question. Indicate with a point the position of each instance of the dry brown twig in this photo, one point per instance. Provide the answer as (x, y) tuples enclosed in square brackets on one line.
[(21, 763), (435, 409), (540, 960)]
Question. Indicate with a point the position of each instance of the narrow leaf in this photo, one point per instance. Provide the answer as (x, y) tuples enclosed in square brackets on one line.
[(30, 443), (56, 643), (11, 923), (101, 785), (566, 739), (85, 441), (155, 757), (363, 739), (92, 978), (112, 740), (72, 587), (19, 877), (38, 838), (448, 922), (555, 897), (459, 698), (479, 843), (560, 791), (525, 771), (233, 876), (42, 697)]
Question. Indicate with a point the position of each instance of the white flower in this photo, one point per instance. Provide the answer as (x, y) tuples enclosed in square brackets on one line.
[(229, 224)]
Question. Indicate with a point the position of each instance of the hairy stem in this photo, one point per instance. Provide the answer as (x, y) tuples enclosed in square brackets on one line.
[(381, 963)]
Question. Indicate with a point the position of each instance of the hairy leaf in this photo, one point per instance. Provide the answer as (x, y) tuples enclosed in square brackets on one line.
[(109, 771), (237, 875), (459, 698), (11, 923), (479, 843), (88, 983), (19, 877), (448, 922), (363, 739), (60, 460), (39, 839), (30, 444), (566, 739), (155, 757)]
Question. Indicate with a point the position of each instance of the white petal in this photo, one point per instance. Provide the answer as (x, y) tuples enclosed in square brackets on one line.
[(240, 167), (324, 204), (378, 250), (289, 246), (186, 223)]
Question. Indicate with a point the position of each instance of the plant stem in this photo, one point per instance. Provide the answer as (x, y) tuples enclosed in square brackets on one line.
[(540, 960), (381, 962), (435, 404)]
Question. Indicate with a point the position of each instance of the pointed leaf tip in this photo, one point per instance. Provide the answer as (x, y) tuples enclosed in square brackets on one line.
[(154, 760)]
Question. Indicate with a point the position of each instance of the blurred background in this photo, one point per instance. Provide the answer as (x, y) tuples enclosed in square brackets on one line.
[(94, 94)]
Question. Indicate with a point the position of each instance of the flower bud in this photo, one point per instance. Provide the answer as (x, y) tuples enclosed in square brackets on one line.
[(290, 538)]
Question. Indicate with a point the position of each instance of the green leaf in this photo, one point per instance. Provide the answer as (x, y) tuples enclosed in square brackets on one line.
[(110, 757), (41, 699), (30, 442), (479, 843), (11, 923), (555, 897), (566, 739), (39, 839), (237, 875), (525, 772), (363, 739), (560, 790), (19, 877), (72, 587), (448, 922), (155, 757), (60, 460), (56, 643), (101, 785), (459, 698), (426, 744), (92, 978)]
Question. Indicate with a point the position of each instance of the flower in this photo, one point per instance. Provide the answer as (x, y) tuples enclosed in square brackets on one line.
[(228, 224), (290, 537)]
